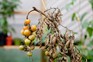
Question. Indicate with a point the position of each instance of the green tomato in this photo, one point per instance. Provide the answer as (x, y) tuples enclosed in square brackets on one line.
[(21, 47), (29, 54), (27, 41)]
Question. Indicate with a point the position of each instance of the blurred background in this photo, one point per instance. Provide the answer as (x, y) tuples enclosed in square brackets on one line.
[(77, 16)]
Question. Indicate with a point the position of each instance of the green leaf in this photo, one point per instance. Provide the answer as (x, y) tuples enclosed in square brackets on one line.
[(68, 7), (90, 31), (91, 2), (90, 54), (13, 29), (73, 1), (91, 23), (90, 44), (1, 22), (83, 16), (68, 59), (45, 35), (73, 16), (85, 24), (7, 10), (35, 41), (84, 52), (43, 38)]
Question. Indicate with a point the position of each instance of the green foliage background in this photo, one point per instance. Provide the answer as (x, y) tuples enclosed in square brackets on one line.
[(7, 8), (85, 49)]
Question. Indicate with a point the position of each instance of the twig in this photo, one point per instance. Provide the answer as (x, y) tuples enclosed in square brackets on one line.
[(34, 9)]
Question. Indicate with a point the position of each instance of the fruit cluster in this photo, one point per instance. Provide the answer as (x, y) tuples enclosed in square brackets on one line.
[(30, 33)]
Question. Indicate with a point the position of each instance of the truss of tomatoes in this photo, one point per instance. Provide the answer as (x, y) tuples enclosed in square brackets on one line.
[(30, 33)]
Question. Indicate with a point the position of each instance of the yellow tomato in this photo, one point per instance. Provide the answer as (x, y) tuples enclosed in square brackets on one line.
[(34, 33), (31, 37), (22, 32), (27, 32), (46, 53), (33, 28), (25, 27), (27, 21)]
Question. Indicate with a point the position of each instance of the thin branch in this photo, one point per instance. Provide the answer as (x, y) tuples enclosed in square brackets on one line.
[(34, 9)]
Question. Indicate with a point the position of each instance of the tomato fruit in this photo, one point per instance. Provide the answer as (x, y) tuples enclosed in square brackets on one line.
[(34, 33), (22, 32), (27, 32), (21, 47), (25, 27), (46, 53), (33, 28), (27, 41), (29, 54), (27, 21), (31, 37)]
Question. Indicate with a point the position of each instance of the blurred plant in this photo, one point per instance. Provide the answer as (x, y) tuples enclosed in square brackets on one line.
[(17, 41), (85, 23), (85, 43), (7, 8), (70, 5), (91, 2)]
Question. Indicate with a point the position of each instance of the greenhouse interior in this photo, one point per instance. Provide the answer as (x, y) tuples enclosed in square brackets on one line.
[(46, 30)]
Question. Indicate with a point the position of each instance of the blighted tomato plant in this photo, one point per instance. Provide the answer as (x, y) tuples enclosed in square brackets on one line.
[(57, 46)]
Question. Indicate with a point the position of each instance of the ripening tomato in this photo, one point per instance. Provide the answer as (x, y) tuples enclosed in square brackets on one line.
[(27, 32), (27, 21), (25, 27), (34, 33), (31, 37), (33, 28), (22, 32)]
